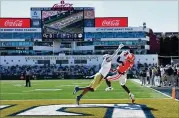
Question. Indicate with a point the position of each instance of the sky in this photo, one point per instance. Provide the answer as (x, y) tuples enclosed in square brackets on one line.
[(160, 16)]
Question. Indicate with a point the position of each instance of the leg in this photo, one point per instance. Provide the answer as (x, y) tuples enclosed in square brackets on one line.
[(109, 88), (114, 77), (155, 81), (108, 82), (122, 81), (159, 81), (85, 89), (92, 87), (125, 88), (145, 81), (26, 81), (142, 78), (150, 80), (29, 82)]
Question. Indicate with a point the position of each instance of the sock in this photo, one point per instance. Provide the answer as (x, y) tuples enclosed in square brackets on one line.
[(80, 88), (108, 83), (81, 95)]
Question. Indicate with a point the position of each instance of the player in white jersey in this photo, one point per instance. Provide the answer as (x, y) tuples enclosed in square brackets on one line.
[(105, 68), (120, 60)]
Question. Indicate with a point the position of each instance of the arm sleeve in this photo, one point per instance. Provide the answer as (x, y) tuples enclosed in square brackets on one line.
[(114, 54), (113, 70), (90, 76), (118, 60)]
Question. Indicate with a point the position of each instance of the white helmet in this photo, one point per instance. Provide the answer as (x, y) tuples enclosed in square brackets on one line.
[(106, 56)]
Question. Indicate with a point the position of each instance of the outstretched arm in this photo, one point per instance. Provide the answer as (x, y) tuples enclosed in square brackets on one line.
[(116, 52), (90, 76), (118, 60)]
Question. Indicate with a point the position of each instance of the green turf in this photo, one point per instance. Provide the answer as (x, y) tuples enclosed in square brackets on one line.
[(15, 90)]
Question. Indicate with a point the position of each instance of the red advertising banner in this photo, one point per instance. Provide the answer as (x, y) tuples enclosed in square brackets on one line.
[(15, 22), (111, 22)]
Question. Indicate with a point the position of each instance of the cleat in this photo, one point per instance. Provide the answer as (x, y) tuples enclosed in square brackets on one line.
[(109, 89), (75, 90), (132, 98), (78, 100)]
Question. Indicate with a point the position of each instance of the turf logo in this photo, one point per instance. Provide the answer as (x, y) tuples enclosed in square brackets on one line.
[(112, 110)]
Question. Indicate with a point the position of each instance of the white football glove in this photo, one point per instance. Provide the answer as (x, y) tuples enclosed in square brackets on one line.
[(120, 46)]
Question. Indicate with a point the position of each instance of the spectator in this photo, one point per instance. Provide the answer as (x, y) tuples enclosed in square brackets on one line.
[(175, 78), (150, 71), (153, 75), (157, 77), (143, 76), (163, 76), (170, 73), (148, 76)]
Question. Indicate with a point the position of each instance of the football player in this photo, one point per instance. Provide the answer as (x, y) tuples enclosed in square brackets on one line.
[(105, 68), (121, 74), (120, 61)]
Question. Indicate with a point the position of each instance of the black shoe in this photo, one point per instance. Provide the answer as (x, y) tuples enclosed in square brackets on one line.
[(75, 90), (78, 100)]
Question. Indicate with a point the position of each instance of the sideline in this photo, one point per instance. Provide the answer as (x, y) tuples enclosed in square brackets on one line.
[(139, 82)]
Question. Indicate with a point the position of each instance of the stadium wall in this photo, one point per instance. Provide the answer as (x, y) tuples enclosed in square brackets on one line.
[(124, 39), (91, 59)]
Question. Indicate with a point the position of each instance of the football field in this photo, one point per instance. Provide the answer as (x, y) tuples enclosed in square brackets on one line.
[(54, 98)]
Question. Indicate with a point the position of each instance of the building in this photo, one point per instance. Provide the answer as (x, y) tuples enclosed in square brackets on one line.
[(69, 37)]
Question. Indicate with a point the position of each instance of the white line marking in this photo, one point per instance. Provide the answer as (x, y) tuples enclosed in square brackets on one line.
[(3, 106), (66, 85), (47, 89), (120, 110), (89, 99)]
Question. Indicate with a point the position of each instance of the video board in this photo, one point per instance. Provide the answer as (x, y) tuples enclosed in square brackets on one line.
[(65, 25)]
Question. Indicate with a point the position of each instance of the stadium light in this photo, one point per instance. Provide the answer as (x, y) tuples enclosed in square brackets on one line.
[(144, 25)]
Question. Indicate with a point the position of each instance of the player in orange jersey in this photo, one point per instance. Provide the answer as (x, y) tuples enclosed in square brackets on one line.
[(122, 69)]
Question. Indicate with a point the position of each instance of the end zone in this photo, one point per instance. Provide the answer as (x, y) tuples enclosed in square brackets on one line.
[(112, 110)]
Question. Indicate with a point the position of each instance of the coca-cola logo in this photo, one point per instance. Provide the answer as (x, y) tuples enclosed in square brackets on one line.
[(13, 23), (62, 6), (111, 23)]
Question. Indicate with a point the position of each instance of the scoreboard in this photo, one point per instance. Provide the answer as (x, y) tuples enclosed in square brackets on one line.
[(65, 25)]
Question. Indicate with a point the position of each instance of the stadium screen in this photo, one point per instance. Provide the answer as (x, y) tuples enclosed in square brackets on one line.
[(64, 25)]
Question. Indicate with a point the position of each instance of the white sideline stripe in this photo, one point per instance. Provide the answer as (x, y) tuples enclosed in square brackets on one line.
[(3, 106), (138, 82), (88, 99)]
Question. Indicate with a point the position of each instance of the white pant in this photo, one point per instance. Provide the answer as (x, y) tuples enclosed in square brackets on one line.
[(157, 80), (122, 78)]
